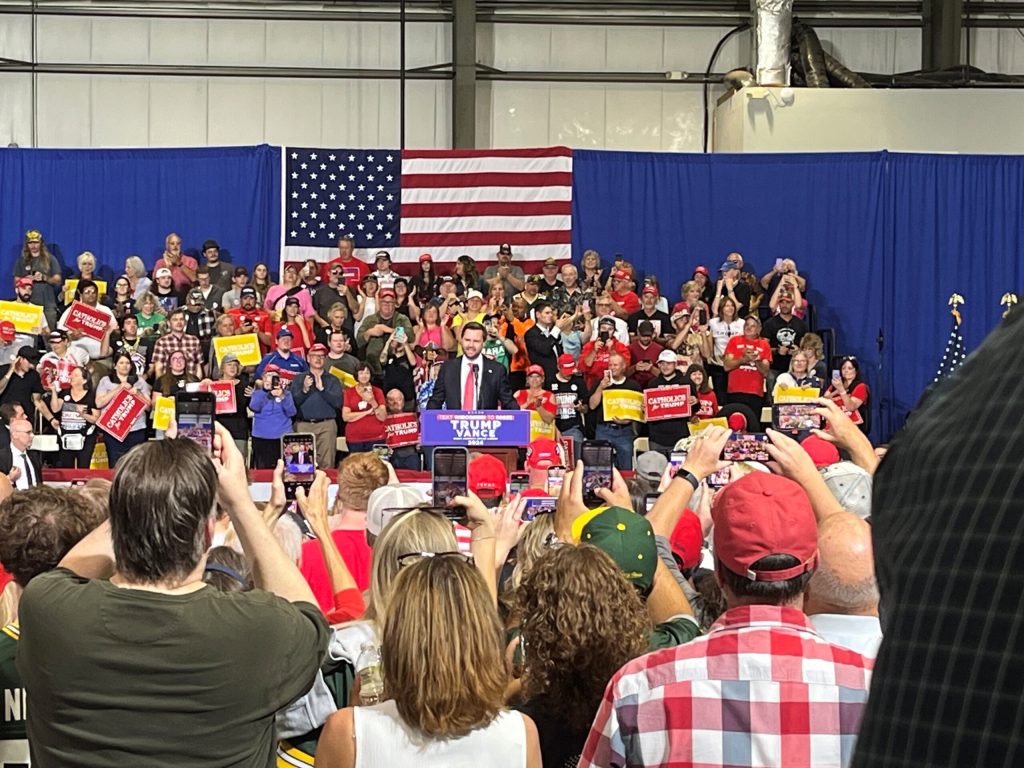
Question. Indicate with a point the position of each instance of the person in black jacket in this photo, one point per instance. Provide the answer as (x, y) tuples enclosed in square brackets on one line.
[(543, 341)]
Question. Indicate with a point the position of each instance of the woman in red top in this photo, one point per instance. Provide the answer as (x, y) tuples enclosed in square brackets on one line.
[(535, 397), (363, 412), (748, 359), (301, 328), (850, 393), (707, 403)]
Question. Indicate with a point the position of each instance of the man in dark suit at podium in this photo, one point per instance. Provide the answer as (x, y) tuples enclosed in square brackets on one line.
[(470, 381)]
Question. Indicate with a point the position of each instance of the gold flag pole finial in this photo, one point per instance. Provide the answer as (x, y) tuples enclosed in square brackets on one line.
[(1008, 300), (955, 301)]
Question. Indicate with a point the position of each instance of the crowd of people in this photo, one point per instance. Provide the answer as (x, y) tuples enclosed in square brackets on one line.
[(702, 613), (341, 347)]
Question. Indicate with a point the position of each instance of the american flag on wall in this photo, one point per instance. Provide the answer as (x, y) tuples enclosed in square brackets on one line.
[(443, 202)]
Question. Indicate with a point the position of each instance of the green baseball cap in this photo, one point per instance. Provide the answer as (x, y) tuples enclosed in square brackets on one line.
[(629, 539)]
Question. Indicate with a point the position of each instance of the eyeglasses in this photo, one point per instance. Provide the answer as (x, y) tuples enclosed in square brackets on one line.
[(414, 557)]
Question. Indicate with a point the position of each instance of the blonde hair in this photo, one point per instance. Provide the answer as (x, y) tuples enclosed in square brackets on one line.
[(812, 342), (85, 255), (532, 544), (415, 531), (443, 649), (359, 475)]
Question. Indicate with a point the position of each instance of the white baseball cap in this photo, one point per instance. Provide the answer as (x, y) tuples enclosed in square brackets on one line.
[(385, 501)]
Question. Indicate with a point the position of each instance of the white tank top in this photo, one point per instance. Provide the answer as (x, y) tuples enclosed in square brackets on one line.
[(383, 740)]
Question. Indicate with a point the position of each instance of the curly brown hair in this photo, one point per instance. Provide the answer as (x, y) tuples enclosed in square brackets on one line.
[(38, 526), (582, 621)]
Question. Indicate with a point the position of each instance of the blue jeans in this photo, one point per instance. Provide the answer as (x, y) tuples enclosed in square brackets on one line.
[(622, 439), (576, 435), (406, 458), (116, 448)]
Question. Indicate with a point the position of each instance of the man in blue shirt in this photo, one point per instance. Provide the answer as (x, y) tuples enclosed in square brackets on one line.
[(317, 395), (283, 358)]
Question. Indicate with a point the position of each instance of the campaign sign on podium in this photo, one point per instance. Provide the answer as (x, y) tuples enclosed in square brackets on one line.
[(475, 428)]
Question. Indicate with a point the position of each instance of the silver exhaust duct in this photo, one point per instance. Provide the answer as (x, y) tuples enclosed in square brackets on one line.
[(772, 25)]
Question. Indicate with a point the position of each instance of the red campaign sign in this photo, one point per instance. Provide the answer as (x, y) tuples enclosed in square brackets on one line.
[(570, 459), (402, 429), (87, 320), (667, 403), (224, 392), (120, 414)]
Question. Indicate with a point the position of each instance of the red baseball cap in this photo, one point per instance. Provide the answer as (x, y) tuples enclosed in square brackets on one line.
[(763, 514), (7, 330), (272, 368), (426, 257), (317, 349), (687, 539), (620, 274), (649, 290), (386, 292), (542, 453), (566, 363), (821, 451), (487, 476), (20, 281), (702, 270), (737, 422), (534, 369)]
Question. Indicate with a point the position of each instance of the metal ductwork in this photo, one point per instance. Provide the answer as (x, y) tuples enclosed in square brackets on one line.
[(812, 56), (772, 26)]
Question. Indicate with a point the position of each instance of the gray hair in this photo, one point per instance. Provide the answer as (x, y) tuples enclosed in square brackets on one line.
[(136, 265), (289, 536), (847, 596)]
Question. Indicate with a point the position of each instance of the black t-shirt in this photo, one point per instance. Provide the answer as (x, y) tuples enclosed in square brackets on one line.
[(20, 390), (397, 374), (559, 745), (781, 332), (742, 293), (238, 423), (142, 353), (567, 395), (71, 421), (669, 431), (660, 320)]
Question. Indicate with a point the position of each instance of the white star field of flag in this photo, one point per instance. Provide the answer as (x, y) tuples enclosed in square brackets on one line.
[(330, 194)]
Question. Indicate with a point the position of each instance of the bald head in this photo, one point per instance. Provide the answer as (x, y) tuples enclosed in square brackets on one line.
[(844, 581)]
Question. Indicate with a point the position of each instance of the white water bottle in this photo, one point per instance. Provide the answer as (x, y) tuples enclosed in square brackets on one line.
[(371, 677)]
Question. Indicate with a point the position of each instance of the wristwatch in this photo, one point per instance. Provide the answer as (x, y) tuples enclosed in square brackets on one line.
[(689, 477)]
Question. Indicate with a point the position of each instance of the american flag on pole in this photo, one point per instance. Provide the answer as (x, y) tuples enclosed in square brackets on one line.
[(443, 202)]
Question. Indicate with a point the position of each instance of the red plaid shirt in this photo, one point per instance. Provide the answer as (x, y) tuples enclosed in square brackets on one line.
[(762, 688)]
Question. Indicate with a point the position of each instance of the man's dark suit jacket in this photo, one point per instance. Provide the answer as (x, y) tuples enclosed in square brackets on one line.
[(7, 459), (493, 387)]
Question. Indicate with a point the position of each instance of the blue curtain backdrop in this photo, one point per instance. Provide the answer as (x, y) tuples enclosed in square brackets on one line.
[(121, 202)]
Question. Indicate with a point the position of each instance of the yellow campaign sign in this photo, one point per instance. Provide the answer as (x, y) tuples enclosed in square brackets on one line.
[(623, 404), (538, 429), (163, 412), (246, 347), (27, 318), (718, 421), (346, 379), (72, 284), (796, 394)]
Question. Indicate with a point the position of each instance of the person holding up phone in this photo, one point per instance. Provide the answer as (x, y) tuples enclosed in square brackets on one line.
[(850, 393), (595, 355), (273, 409)]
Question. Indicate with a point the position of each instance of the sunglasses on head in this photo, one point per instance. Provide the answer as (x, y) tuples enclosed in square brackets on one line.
[(414, 557)]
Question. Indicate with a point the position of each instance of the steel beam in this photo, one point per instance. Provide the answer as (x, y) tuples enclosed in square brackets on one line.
[(464, 66), (943, 28)]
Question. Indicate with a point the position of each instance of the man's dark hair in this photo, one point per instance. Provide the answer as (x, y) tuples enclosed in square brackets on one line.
[(163, 494), (176, 311), (768, 592), (340, 332), (538, 306), (203, 269), (473, 325), (7, 411), (38, 526)]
